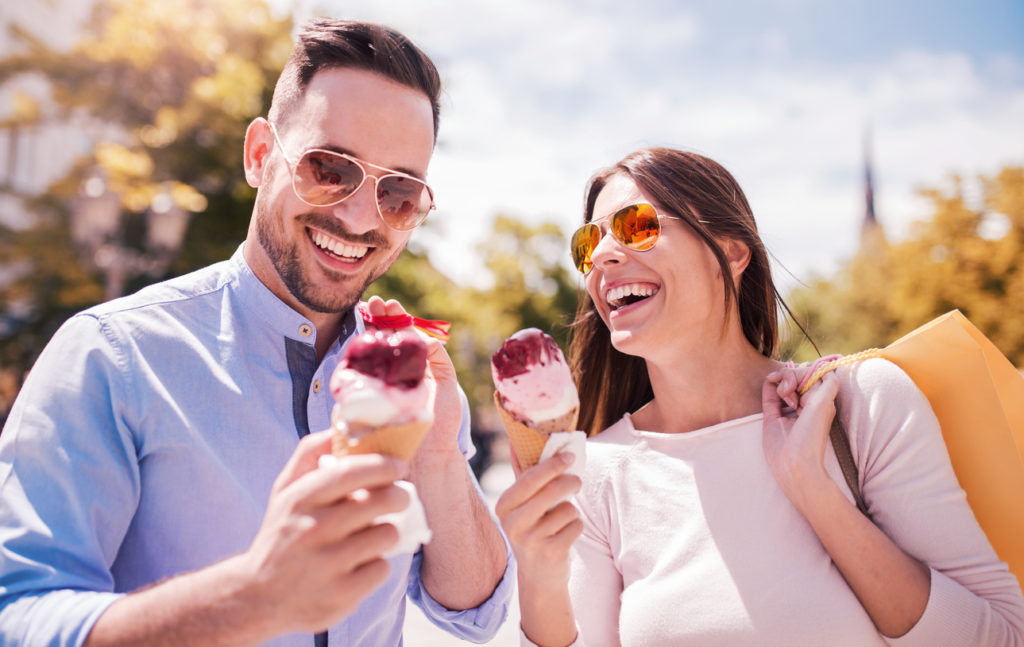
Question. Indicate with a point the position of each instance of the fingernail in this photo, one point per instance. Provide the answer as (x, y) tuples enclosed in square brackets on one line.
[(567, 457)]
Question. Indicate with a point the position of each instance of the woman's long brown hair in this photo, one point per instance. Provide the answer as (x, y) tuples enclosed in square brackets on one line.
[(704, 195)]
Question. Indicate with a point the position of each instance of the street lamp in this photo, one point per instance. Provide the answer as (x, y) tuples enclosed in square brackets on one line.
[(96, 230)]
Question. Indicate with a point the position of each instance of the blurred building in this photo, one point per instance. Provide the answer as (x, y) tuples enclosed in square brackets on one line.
[(35, 148)]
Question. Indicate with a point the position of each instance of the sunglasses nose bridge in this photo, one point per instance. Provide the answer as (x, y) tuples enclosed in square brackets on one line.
[(360, 209), (608, 250)]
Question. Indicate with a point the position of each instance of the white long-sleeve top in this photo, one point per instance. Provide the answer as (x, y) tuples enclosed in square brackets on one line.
[(689, 540)]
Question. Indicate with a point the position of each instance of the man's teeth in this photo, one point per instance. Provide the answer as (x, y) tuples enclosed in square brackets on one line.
[(623, 294), (335, 246)]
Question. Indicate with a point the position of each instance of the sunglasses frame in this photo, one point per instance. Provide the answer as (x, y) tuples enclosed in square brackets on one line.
[(361, 165), (646, 245)]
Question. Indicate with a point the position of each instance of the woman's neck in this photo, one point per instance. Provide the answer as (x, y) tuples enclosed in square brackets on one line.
[(704, 384)]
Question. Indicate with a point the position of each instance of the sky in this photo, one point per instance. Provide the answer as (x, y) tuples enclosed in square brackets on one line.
[(541, 93)]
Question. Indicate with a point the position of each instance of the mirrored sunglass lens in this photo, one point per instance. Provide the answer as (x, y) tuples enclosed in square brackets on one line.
[(582, 245), (322, 178), (637, 226), (404, 202)]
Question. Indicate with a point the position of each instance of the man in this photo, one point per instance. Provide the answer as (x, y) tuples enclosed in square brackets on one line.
[(153, 487)]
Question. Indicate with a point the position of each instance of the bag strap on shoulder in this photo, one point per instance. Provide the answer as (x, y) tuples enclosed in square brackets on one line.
[(837, 434)]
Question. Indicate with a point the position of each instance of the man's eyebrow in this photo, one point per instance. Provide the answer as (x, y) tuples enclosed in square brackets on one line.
[(345, 151)]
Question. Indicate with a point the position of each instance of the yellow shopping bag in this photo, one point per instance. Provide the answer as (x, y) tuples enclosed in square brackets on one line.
[(978, 397)]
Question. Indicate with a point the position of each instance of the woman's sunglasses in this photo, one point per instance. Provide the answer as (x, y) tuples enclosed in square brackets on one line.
[(323, 178), (637, 227)]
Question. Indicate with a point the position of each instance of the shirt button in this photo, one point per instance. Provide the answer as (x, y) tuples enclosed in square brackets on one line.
[(316, 386), (305, 330)]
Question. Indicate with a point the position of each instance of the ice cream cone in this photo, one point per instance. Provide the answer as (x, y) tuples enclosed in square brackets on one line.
[(527, 442), (400, 441)]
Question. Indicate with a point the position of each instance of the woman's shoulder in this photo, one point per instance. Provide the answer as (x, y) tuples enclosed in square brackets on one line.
[(877, 381), (608, 447), (614, 438)]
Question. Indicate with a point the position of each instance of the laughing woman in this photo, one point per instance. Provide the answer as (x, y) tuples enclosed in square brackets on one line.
[(712, 512)]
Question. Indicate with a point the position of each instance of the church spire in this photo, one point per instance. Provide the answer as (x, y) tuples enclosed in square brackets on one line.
[(871, 233)]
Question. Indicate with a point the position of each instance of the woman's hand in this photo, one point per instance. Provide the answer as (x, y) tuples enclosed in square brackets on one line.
[(796, 431), (541, 525), (540, 522)]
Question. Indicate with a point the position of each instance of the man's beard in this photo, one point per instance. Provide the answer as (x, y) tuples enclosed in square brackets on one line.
[(287, 265)]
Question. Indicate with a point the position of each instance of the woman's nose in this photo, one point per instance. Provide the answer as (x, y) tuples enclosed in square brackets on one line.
[(608, 251)]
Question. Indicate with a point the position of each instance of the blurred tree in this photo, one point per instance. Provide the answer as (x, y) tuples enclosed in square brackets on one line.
[(165, 91), (966, 257), (531, 287)]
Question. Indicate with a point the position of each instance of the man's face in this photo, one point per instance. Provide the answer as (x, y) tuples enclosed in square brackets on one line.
[(321, 259)]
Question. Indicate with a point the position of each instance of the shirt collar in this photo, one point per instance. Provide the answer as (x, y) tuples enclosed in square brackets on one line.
[(261, 302)]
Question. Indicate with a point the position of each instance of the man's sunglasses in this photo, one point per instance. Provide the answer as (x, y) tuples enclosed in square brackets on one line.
[(323, 178), (636, 226)]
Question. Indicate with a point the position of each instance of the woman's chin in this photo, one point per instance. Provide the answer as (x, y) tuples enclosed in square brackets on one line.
[(628, 343)]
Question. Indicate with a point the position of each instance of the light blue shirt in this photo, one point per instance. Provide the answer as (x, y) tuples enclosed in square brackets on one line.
[(145, 443)]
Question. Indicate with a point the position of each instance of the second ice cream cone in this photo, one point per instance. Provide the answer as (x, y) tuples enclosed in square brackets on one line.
[(527, 443)]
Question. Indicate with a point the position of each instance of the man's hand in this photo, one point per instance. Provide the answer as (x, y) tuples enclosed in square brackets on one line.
[(315, 558), (318, 552), (442, 439)]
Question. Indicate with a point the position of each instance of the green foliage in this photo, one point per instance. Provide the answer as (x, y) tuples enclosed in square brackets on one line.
[(166, 91), (970, 258)]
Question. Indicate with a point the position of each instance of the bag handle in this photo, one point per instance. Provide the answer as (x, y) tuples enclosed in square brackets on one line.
[(838, 435)]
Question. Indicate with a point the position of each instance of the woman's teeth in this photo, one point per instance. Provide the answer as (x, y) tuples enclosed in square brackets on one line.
[(631, 293)]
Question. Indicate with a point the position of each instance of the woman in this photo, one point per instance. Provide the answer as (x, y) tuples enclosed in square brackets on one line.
[(713, 510)]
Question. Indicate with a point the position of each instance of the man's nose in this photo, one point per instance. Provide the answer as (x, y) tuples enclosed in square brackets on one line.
[(359, 210)]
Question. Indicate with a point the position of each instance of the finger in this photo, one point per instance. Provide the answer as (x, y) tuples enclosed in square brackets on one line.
[(527, 515), (822, 394), (365, 579), (362, 546), (394, 308), (771, 404), (532, 480), (568, 535), (787, 388), (556, 518), (376, 306), (305, 457), (360, 510), (517, 467), (336, 480)]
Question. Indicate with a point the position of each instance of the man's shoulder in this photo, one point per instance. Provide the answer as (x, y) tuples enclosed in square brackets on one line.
[(190, 289)]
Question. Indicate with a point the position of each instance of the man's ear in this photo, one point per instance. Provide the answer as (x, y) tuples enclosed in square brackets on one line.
[(738, 254), (258, 143)]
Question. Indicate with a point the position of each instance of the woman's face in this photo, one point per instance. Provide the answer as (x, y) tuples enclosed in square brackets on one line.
[(655, 300)]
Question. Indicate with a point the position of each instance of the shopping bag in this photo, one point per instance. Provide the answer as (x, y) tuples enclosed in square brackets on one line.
[(978, 397)]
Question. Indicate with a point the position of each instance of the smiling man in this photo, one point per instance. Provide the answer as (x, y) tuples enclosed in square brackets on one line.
[(158, 478)]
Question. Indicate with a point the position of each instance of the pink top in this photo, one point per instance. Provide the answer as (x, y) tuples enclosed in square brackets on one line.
[(689, 540)]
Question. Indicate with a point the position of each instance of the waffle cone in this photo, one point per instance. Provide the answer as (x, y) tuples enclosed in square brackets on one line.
[(528, 442), (400, 441)]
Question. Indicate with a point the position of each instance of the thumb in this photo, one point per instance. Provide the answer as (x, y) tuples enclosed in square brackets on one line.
[(820, 399)]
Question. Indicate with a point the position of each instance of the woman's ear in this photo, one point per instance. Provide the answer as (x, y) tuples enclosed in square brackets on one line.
[(738, 254), (258, 142)]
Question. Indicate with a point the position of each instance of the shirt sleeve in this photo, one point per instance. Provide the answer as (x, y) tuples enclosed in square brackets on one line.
[(595, 583), (480, 623), (69, 485), (914, 497)]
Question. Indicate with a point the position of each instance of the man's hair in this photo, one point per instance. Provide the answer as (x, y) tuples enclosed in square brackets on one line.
[(325, 43), (706, 197)]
